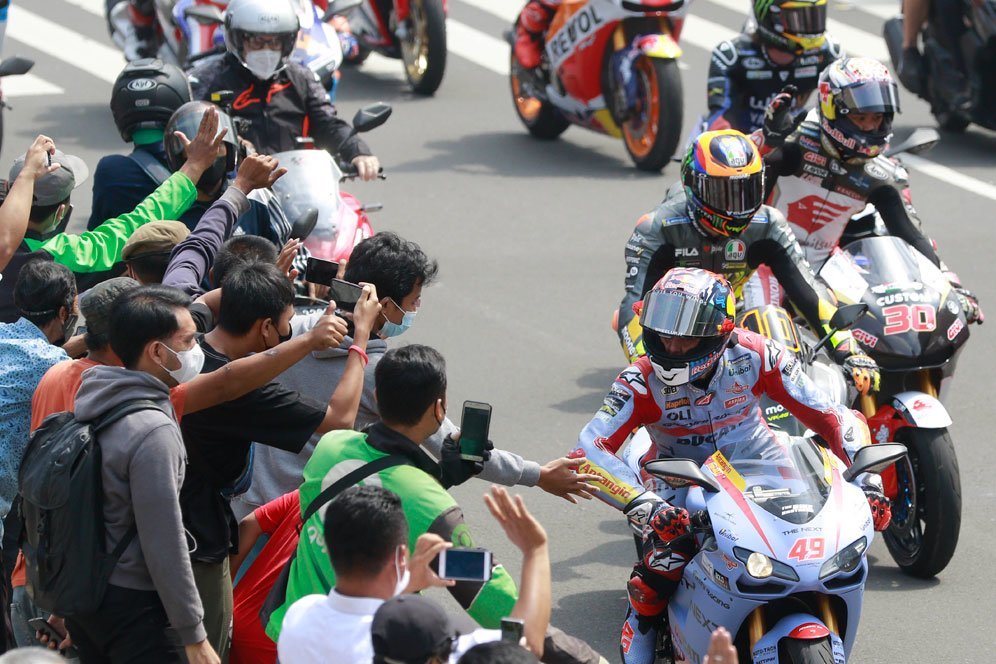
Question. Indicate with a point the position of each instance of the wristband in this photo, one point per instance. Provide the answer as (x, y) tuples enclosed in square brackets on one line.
[(362, 353)]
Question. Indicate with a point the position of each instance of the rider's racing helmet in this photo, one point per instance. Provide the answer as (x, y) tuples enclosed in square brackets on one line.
[(723, 178), (245, 19), (795, 26), (146, 94), (856, 85), (687, 302), (188, 120)]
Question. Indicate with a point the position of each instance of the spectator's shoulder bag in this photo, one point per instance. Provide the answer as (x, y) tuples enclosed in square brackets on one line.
[(278, 593), (62, 510)]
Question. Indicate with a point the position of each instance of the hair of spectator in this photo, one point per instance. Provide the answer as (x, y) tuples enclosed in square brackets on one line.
[(393, 265), (251, 293), (150, 268), (96, 340), (40, 213), (242, 250), (364, 526), (498, 652), (31, 655), (141, 315), (42, 288), (409, 380)]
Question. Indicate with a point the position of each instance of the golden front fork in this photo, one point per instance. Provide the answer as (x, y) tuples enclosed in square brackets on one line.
[(868, 406), (829, 619), (619, 38), (755, 626), (926, 383)]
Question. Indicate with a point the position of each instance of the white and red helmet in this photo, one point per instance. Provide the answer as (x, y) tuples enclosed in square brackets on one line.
[(856, 85)]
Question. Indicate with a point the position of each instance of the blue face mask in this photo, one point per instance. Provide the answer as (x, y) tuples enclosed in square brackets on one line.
[(397, 329)]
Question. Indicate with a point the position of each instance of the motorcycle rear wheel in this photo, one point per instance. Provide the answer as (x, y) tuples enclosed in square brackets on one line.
[(540, 117), (923, 540), (424, 50), (808, 651), (652, 133)]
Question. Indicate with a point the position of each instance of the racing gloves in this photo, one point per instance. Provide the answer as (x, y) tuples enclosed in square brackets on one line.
[(862, 372), (779, 121), (640, 509), (881, 507), (970, 305), (455, 470)]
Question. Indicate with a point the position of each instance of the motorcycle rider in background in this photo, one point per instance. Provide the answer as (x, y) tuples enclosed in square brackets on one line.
[(282, 100), (788, 46), (696, 392), (824, 167), (717, 221), (949, 15)]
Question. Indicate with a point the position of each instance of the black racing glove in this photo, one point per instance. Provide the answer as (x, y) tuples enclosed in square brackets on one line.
[(779, 122), (862, 372), (970, 305), (454, 470)]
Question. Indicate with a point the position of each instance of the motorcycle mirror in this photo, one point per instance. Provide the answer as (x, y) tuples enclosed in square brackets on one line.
[(304, 224), (921, 140), (204, 14), (371, 116), (15, 66), (874, 459), (340, 8), (842, 319), (680, 472)]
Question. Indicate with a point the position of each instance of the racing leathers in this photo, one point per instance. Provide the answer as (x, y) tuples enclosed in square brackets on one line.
[(669, 237), (743, 80), (819, 193), (289, 105), (694, 421)]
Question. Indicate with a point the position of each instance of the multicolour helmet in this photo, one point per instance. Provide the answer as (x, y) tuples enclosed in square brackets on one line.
[(795, 26), (687, 302), (723, 177), (856, 85)]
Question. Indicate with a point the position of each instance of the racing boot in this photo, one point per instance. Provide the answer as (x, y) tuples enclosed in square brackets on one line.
[(644, 619)]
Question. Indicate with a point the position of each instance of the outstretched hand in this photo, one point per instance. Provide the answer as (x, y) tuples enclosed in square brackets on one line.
[(778, 119), (206, 146), (37, 161), (560, 478), (257, 171), (521, 528), (285, 259)]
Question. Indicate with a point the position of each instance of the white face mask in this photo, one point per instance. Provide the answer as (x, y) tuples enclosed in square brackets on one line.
[(403, 577), (191, 363), (263, 63)]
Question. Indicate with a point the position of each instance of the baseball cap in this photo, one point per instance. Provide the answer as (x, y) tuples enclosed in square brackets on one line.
[(409, 629), (155, 237), (56, 186), (95, 304)]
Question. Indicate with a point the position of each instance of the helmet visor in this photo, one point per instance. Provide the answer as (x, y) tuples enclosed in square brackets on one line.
[(735, 196), (804, 19), (871, 97), (679, 314)]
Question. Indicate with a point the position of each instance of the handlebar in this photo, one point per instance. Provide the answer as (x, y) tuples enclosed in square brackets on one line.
[(350, 172)]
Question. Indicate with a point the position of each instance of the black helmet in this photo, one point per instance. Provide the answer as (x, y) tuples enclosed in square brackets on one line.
[(188, 120), (795, 26), (145, 95)]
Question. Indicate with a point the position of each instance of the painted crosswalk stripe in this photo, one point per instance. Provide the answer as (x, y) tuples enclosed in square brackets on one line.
[(28, 85)]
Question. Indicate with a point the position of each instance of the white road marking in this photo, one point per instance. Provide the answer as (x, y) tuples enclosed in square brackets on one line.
[(76, 50), (951, 176), (488, 51), (28, 85), (92, 6)]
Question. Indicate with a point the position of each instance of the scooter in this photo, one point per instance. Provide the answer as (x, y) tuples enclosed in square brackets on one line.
[(783, 532), (977, 48), (12, 66), (610, 66)]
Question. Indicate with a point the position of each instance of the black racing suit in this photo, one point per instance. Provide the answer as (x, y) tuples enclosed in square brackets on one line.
[(743, 80), (292, 104), (668, 237)]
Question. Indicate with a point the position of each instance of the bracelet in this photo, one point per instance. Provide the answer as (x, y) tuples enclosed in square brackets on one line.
[(362, 353)]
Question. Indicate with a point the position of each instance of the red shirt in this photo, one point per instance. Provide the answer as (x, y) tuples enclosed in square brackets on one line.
[(280, 519)]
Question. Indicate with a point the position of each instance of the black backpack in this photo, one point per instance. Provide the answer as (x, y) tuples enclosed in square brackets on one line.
[(62, 512)]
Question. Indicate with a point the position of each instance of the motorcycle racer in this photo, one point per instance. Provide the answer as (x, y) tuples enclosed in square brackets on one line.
[(696, 392), (717, 221), (826, 166), (789, 46)]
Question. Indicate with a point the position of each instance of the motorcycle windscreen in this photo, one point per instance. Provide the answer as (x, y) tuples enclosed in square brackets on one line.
[(787, 477), (312, 181), (913, 318)]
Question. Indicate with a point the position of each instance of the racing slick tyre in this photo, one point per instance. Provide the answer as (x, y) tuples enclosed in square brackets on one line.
[(540, 117), (652, 133), (805, 651), (926, 514), (423, 51)]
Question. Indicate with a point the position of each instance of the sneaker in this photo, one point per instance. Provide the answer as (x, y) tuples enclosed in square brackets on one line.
[(910, 70)]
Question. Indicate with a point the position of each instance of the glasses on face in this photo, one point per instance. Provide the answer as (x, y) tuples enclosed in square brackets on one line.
[(259, 42)]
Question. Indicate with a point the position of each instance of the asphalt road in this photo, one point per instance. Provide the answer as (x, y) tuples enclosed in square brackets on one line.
[(529, 237)]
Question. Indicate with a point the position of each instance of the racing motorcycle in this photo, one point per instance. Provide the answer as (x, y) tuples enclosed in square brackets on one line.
[(783, 532), (413, 31), (610, 66), (12, 66), (310, 189), (978, 50)]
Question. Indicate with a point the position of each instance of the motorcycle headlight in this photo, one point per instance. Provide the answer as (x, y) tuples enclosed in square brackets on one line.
[(761, 566), (846, 560)]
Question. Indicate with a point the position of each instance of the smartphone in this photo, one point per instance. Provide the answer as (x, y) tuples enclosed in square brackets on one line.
[(320, 271), (43, 626), (463, 564), (345, 294), (474, 425), (512, 630)]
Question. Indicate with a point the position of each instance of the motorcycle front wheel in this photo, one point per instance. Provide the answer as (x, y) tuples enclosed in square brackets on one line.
[(808, 651), (652, 133), (423, 50), (926, 514)]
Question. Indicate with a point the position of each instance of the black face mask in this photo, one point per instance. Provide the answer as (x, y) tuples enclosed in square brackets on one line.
[(285, 337), (213, 176)]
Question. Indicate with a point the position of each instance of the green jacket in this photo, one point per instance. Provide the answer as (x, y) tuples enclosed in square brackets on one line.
[(427, 506), (98, 250)]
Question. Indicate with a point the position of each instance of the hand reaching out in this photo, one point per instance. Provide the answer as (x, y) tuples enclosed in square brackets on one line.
[(522, 530), (257, 172), (560, 478), (36, 160), (205, 148), (285, 259)]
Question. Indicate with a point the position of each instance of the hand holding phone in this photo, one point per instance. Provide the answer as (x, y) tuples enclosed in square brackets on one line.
[(52, 638), (474, 427), (345, 294), (512, 630), (465, 564)]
